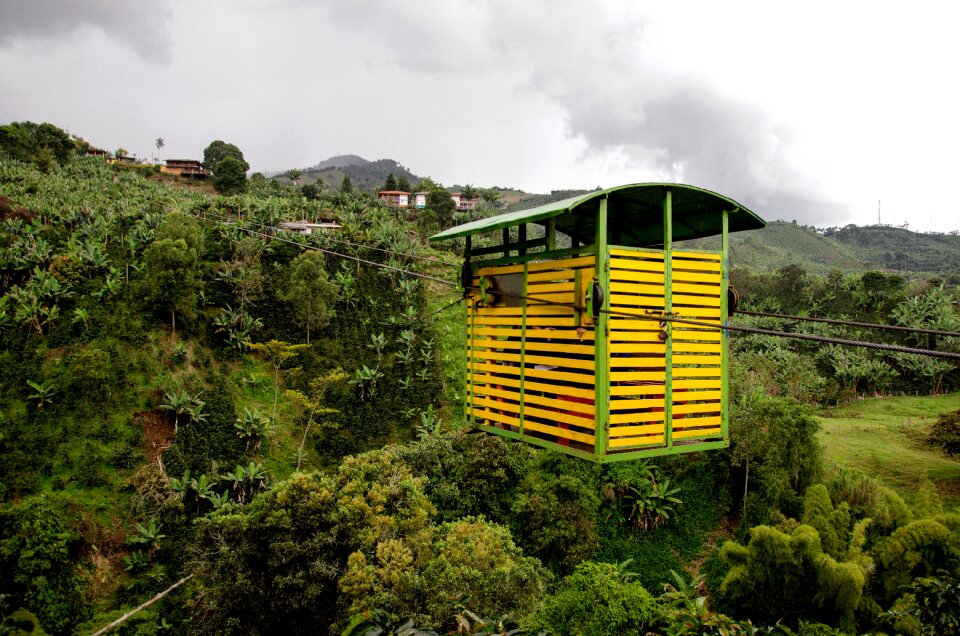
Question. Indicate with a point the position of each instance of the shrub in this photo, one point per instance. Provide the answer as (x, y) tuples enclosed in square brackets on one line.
[(945, 433), (596, 599)]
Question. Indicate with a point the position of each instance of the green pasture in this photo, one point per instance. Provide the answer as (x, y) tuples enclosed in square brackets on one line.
[(884, 438)]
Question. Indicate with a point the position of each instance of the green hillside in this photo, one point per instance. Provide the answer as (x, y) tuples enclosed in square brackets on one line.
[(849, 249)]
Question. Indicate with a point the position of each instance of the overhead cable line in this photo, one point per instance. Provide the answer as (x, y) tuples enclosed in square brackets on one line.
[(850, 323), (338, 254), (948, 355), (342, 242)]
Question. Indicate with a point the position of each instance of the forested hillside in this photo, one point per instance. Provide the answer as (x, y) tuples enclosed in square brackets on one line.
[(187, 394), (848, 249)]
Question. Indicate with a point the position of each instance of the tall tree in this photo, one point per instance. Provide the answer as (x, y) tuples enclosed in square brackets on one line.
[(346, 185), (173, 266), (294, 175), (219, 150), (160, 144), (309, 291), (391, 183), (230, 176), (442, 205), (403, 184), (172, 277)]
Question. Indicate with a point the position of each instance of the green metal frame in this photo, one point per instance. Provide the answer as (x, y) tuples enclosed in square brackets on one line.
[(601, 338), (667, 309), (724, 334)]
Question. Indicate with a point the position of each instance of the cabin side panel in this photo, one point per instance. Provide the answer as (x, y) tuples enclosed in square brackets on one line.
[(530, 363)]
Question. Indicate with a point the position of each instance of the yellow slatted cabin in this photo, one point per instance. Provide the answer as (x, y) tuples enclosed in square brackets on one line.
[(565, 346)]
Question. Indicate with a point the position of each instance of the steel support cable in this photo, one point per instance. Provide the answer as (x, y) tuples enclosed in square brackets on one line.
[(324, 237), (849, 323), (651, 317), (338, 254)]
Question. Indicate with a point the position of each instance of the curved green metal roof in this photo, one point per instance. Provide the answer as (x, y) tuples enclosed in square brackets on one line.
[(634, 212)]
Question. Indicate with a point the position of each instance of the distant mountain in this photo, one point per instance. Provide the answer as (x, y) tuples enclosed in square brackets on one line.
[(848, 249), (340, 161), (364, 174)]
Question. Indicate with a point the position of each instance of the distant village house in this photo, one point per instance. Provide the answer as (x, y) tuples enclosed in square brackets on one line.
[(303, 227), (395, 198), (185, 168)]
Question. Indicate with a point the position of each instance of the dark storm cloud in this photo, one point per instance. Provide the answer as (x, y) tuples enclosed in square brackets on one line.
[(703, 138), (140, 25)]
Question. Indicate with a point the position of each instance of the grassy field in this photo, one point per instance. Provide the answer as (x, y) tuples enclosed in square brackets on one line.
[(883, 438)]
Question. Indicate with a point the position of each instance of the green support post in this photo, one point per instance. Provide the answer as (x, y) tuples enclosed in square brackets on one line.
[(551, 234), (668, 308), (724, 335), (601, 336), (523, 351)]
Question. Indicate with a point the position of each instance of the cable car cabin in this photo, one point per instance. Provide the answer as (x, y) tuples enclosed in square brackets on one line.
[(566, 346)]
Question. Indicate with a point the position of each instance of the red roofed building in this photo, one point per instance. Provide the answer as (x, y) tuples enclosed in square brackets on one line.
[(395, 198), (185, 168)]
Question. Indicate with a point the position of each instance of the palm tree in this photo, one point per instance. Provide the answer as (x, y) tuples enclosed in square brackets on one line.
[(160, 144)]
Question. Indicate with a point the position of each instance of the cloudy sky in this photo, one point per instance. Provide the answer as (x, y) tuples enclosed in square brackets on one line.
[(811, 111)]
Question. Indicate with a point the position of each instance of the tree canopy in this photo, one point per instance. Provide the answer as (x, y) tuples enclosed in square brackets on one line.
[(219, 150)]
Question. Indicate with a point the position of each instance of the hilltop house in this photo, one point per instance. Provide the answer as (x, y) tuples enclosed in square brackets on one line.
[(462, 203), (303, 227), (395, 198), (185, 168)]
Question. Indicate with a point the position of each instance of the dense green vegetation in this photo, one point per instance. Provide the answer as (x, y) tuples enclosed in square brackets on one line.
[(184, 392)]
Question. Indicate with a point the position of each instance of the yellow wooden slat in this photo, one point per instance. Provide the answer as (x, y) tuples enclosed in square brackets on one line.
[(627, 337), (679, 255), (656, 347), (686, 396), (696, 372), (496, 417), (645, 403), (542, 374), (642, 429), (532, 321), (550, 288), (630, 418), (499, 270), (540, 299), (551, 277), (619, 290), (698, 266), (691, 359), (565, 433), (633, 276), (559, 417), (620, 250), (499, 311), (703, 289), (637, 376), (530, 397), (556, 347), (686, 423), (696, 301), (560, 347), (711, 335), (696, 277), (571, 263), (696, 347), (626, 390), (696, 384), (636, 362), (684, 409), (531, 386), (624, 442), (694, 434), (560, 363)]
